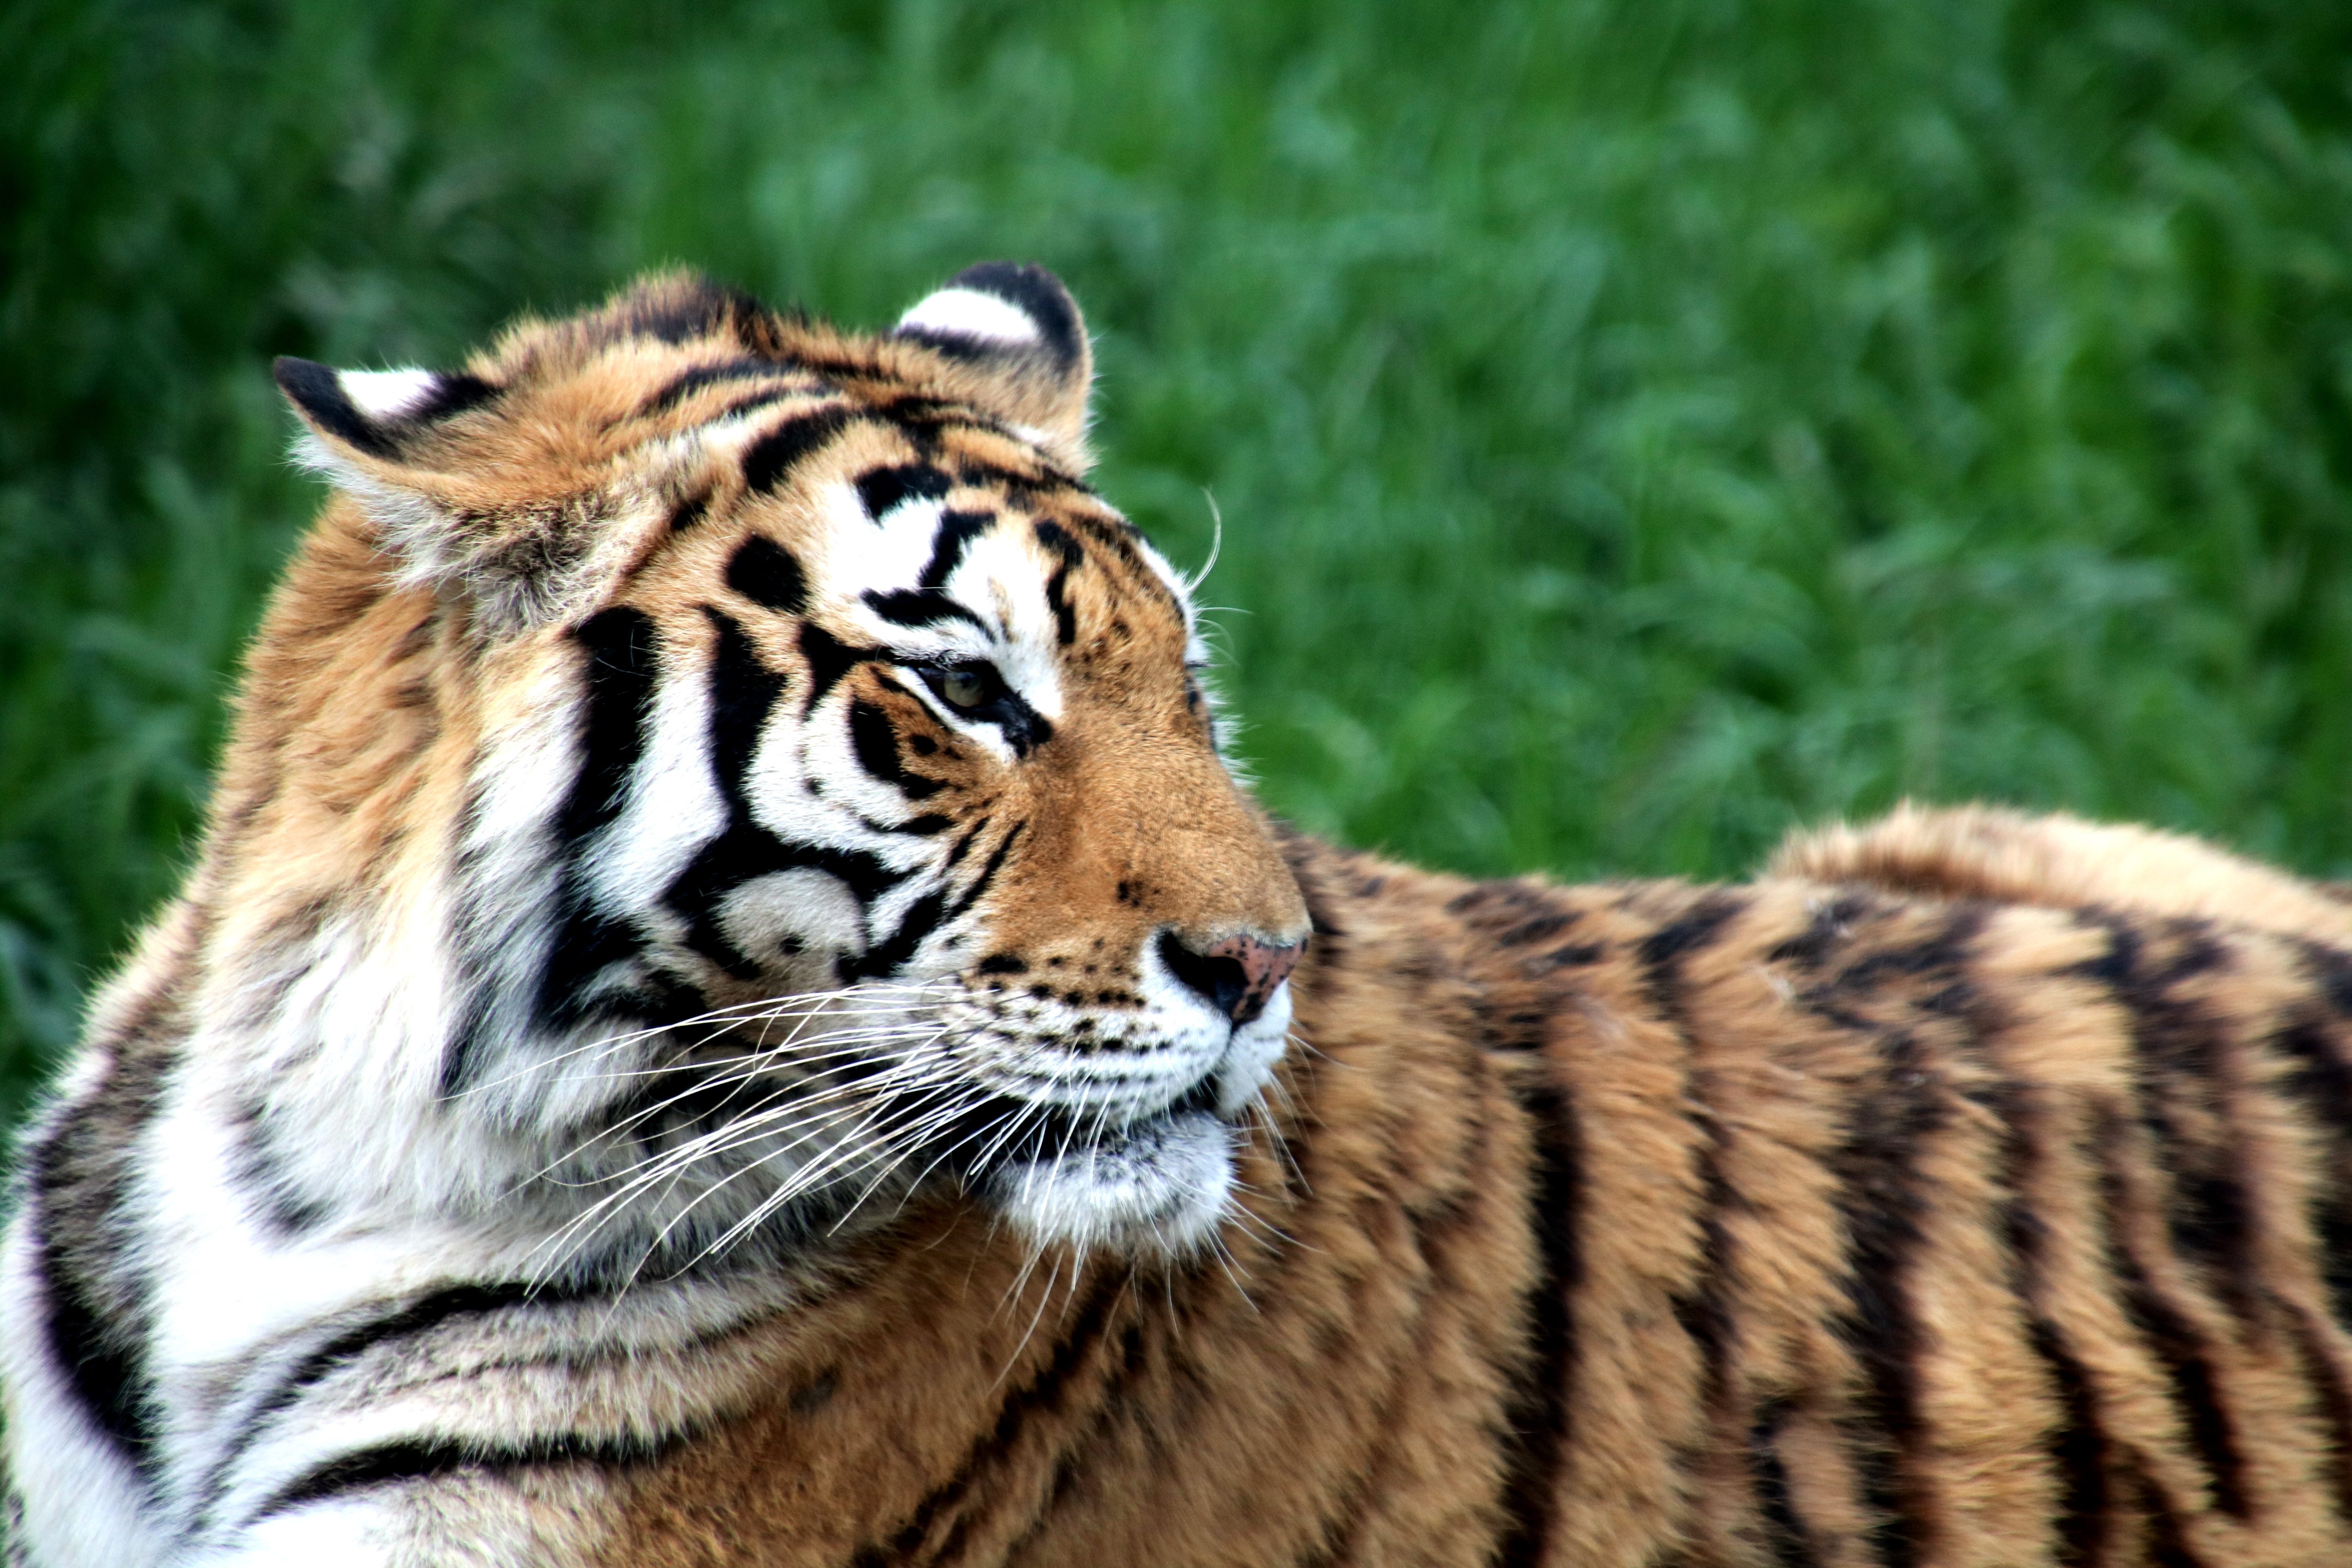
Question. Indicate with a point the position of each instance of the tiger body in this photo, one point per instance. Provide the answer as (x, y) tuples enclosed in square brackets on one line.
[(732, 1011)]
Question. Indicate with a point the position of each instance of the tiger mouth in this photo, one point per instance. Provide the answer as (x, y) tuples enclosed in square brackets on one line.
[(1004, 1132), (1161, 1186)]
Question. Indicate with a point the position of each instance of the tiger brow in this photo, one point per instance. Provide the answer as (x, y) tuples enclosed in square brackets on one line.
[(702, 375)]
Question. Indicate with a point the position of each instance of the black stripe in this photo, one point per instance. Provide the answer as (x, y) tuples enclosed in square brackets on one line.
[(2168, 1542), (1538, 928), (752, 402), (2207, 1217), (887, 957), (1030, 488), (621, 648), (1119, 538), (980, 884), (2321, 1087), (919, 607), (690, 511), (1791, 1542), (2078, 1450), (698, 308), (1046, 1394), (743, 693), (882, 488), (876, 742), (962, 845), (768, 575), (957, 530), (452, 394), (2334, 1397), (108, 1375), (1832, 927), (1881, 1199), (2171, 1335), (829, 659), (1540, 1428), (1662, 952), (781, 449), (2179, 1050), (1705, 1314), (1057, 538), (588, 945), (622, 665), (700, 376), (422, 1459), (419, 1317)]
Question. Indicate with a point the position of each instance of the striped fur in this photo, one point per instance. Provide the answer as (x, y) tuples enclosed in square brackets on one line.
[(732, 1012)]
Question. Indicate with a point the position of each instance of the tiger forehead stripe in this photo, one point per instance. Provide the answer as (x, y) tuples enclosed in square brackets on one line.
[(702, 377)]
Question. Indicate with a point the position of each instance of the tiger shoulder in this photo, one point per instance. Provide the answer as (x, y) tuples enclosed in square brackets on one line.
[(732, 1010)]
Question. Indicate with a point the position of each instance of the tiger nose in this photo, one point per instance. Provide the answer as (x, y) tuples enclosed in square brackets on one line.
[(1236, 976)]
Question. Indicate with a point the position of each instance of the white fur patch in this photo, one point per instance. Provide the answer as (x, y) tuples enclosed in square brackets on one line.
[(348, 1532), (387, 393), (969, 313), (1167, 1185)]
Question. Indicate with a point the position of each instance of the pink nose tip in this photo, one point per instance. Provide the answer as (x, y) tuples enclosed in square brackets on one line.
[(1237, 976)]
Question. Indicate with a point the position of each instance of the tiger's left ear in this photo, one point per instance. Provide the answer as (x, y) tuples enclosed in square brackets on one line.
[(1015, 347)]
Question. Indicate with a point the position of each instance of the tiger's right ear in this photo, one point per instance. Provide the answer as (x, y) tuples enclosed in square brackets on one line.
[(1015, 347), (512, 537)]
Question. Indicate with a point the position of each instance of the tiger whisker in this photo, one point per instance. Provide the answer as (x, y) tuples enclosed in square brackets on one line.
[(735, 1014)]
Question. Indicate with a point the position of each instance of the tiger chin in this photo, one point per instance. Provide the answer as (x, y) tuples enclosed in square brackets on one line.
[(732, 1010)]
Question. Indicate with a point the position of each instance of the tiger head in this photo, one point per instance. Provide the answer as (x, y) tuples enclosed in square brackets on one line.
[(784, 780)]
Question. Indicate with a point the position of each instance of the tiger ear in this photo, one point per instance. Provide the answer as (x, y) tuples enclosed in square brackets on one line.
[(511, 535), (378, 411), (1017, 348)]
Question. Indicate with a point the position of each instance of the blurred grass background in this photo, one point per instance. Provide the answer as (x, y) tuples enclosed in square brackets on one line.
[(1638, 425)]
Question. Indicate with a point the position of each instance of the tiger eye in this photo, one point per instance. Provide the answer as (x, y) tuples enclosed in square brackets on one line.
[(964, 687)]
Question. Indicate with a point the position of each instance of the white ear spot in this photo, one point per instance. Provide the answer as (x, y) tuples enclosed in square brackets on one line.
[(969, 313), (388, 394)]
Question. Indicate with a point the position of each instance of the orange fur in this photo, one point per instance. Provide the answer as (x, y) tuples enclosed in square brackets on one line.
[(1971, 1189), (1358, 1385)]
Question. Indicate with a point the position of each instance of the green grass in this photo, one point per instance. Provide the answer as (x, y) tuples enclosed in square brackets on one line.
[(1638, 425)]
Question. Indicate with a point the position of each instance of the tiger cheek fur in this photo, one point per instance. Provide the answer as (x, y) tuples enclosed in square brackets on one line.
[(732, 1011)]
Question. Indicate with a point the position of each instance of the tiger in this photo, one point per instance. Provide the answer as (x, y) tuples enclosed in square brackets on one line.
[(734, 1008)]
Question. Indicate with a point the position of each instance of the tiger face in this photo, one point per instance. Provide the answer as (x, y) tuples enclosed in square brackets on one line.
[(837, 805)]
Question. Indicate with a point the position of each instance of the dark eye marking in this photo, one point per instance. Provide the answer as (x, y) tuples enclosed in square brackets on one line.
[(881, 489), (977, 691), (876, 740), (828, 659), (1057, 538), (919, 607), (780, 450), (767, 573)]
